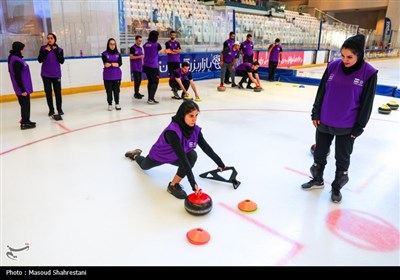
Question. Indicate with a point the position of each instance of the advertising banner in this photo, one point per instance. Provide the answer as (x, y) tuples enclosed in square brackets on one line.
[(288, 59)]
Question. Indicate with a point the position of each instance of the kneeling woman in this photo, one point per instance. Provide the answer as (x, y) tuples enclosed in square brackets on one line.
[(176, 145)]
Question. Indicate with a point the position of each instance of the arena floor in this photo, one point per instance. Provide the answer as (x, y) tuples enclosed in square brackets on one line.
[(69, 194)]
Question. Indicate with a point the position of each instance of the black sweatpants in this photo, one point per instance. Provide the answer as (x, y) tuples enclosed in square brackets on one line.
[(112, 88), (153, 77), (248, 58), (244, 76), (271, 70), (174, 84), (172, 66), (25, 103), (56, 82), (146, 163), (343, 149), (136, 77)]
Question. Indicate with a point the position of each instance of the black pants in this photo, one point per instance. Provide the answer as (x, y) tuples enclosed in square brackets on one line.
[(112, 88), (25, 103), (174, 84), (172, 66), (248, 58), (272, 65), (343, 149), (146, 163), (136, 77), (244, 76), (153, 77), (56, 82)]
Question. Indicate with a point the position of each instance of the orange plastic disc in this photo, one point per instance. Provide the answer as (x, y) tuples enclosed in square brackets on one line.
[(247, 205), (198, 236)]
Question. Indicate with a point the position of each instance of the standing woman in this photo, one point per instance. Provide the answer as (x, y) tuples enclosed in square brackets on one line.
[(341, 110), (22, 83), (52, 56), (112, 73), (150, 65)]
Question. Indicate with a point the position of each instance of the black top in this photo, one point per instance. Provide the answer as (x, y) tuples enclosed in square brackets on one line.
[(43, 54)]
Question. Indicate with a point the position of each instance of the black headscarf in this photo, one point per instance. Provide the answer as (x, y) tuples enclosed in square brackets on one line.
[(110, 51), (55, 40), (185, 108), (153, 36), (356, 45), (16, 49)]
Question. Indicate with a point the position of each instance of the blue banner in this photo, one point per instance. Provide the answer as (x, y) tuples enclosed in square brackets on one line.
[(202, 65)]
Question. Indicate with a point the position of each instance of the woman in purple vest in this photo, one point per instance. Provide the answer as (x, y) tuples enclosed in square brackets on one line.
[(341, 110), (176, 145), (51, 56), (150, 65), (112, 73), (21, 82)]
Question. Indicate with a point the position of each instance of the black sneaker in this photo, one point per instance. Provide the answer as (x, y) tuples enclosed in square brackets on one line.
[(27, 126), (155, 101), (313, 184), (177, 191), (228, 82), (60, 112), (138, 96), (240, 86), (51, 112), (133, 154), (336, 196), (249, 87), (33, 123), (234, 85), (175, 93)]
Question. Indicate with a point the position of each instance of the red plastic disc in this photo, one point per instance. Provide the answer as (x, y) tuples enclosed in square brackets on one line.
[(198, 236), (247, 205)]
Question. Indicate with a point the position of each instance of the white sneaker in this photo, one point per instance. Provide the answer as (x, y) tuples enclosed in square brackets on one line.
[(110, 107), (117, 107)]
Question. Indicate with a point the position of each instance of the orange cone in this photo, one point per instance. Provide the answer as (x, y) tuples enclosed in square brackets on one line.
[(247, 206), (198, 236)]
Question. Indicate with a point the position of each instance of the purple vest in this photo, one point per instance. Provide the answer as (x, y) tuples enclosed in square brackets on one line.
[(112, 73), (247, 48), (25, 75), (51, 68), (228, 58), (173, 45), (341, 102), (151, 54), (230, 43), (274, 54), (137, 64), (183, 77), (245, 66), (161, 151)]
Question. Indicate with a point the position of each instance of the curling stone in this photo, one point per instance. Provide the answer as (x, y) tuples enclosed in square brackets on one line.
[(393, 105), (219, 88), (257, 89), (384, 109), (247, 206), (312, 149), (198, 204), (198, 236)]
